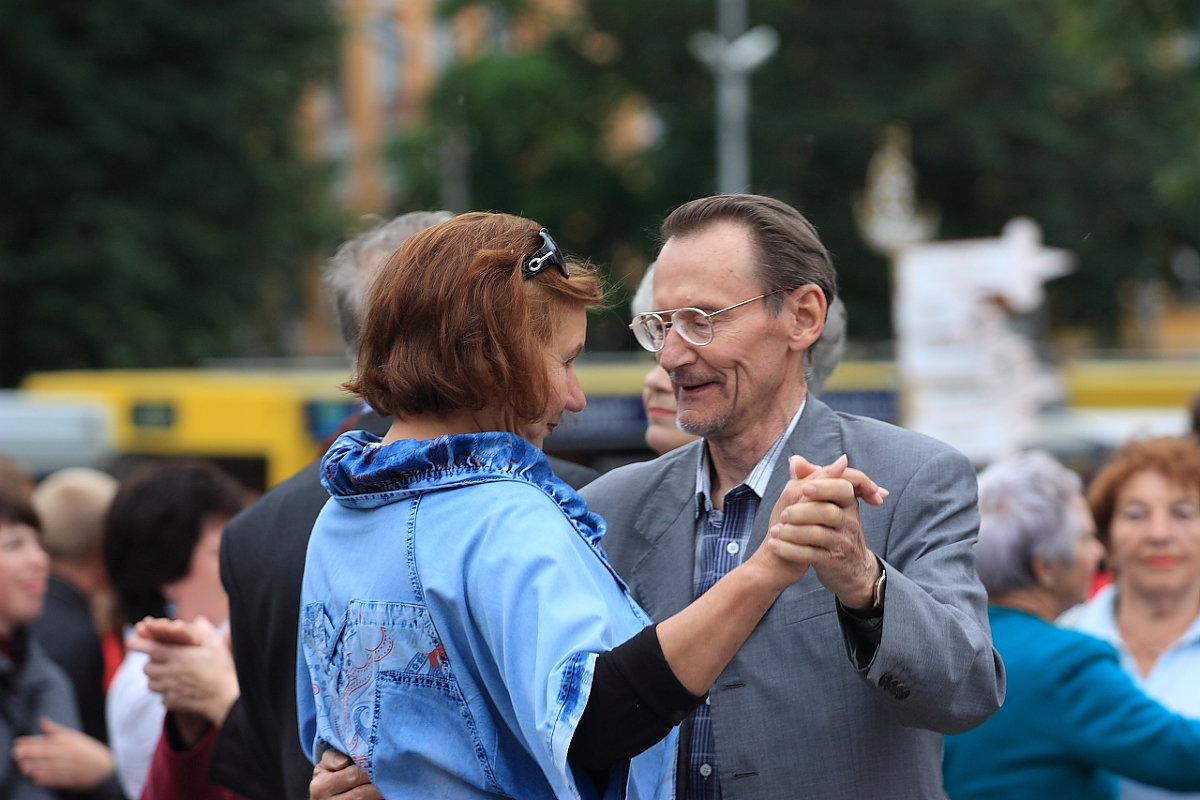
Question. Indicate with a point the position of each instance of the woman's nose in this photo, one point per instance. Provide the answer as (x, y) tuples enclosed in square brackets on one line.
[(576, 400)]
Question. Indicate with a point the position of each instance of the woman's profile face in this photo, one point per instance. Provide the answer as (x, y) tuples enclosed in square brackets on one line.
[(200, 592), (24, 570), (1088, 552), (1155, 534), (658, 400), (564, 348)]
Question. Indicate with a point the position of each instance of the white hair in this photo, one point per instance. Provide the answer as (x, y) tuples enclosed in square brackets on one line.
[(348, 272), (1027, 507), (71, 505)]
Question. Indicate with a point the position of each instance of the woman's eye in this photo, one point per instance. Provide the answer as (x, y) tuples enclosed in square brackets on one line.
[(1133, 513)]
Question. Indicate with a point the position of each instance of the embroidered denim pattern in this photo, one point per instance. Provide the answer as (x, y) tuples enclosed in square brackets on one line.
[(378, 648)]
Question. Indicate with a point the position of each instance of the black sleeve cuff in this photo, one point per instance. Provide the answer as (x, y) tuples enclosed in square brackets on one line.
[(635, 701), (863, 632)]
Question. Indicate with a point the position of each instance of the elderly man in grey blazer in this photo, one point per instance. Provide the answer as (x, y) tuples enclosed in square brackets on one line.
[(847, 685)]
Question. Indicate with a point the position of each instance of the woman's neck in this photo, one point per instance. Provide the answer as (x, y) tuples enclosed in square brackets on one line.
[(430, 426), (1150, 623), (1161, 607), (1032, 600)]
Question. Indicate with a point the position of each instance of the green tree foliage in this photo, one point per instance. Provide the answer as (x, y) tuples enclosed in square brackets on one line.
[(1066, 111), (152, 181)]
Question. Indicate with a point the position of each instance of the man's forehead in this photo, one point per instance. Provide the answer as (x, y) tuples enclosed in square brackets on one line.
[(693, 268)]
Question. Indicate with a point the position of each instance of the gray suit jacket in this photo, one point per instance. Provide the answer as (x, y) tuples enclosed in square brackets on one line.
[(793, 716)]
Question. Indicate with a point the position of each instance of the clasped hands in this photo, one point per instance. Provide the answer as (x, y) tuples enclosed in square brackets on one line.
[(191, 666), (816, 523)]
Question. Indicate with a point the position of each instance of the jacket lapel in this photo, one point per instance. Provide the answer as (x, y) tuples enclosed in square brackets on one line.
[(661, 579)]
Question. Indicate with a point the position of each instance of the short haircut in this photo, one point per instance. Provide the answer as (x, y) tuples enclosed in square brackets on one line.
[(451, 325), (348, 271), (154, 524), (1026, 509), (789, 252), (1176, 458), (72, 504)]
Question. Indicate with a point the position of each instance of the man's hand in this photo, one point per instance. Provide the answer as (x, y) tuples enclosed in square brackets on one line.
[(63, 758), (818, 523), (190, 665), (337, 777)]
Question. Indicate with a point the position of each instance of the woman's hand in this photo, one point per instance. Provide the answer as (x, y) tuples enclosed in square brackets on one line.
[(817, 523), (62, 758), (337, 777), (190, 665)]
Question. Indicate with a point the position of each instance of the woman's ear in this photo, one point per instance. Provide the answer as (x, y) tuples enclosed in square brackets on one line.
[(1045, 573), (806, 307)]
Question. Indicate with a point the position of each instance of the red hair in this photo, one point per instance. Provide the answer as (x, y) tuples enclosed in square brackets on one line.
[(451, 324)]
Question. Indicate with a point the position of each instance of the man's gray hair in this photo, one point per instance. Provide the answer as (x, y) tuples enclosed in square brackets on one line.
[(1028, 506), (348, 272), (823, 357)]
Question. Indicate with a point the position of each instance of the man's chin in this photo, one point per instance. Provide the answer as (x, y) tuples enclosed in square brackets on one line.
[(697, 425)]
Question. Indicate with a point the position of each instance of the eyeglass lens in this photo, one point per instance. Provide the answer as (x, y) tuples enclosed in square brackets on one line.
[(691, 323)]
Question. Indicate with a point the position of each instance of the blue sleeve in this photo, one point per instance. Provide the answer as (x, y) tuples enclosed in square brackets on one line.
[(543, 605), (1109, 721), (306, 707)]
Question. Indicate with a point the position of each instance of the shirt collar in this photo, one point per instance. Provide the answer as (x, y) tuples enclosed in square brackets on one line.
[(757, 480)]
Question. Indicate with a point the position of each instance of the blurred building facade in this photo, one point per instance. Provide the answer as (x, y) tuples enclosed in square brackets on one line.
[(393, 52)]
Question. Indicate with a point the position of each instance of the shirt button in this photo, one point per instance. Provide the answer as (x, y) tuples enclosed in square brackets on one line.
[(705, 770), (732, 548)]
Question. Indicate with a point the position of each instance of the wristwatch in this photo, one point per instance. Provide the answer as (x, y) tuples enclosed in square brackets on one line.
[(880, 583)]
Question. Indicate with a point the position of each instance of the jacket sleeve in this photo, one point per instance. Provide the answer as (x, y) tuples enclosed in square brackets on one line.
[(1110, 722), (183, 773), (530, 578), (935, 665)]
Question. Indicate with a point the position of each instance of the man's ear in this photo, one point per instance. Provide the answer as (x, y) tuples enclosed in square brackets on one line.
[(806, 309)]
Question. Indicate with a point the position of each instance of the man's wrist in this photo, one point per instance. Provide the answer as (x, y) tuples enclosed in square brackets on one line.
[(870, 602)]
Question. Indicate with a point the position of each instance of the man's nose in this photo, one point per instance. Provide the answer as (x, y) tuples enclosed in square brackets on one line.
[(676, 351)]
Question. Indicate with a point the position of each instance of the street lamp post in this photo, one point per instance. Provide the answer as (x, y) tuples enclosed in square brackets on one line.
[(732, 54)]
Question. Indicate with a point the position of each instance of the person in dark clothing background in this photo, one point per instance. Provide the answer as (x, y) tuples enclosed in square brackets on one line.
[(71, 505)]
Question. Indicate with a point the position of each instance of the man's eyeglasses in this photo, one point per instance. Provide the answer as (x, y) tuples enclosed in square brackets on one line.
[(694, 325), (548, 255)]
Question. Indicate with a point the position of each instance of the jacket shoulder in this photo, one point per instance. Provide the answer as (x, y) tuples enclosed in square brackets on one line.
[(630, 481)]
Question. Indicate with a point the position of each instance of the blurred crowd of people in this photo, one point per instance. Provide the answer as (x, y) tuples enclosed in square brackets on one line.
[(118, 676)]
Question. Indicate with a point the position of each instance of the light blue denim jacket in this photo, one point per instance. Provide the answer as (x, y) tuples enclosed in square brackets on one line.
[(455, 600)]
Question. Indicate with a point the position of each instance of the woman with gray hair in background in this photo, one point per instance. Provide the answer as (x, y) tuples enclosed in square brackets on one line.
[(1072, 718)]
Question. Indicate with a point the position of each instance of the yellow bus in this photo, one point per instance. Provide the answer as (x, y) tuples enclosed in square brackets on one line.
[(265, 424), (262, 425)]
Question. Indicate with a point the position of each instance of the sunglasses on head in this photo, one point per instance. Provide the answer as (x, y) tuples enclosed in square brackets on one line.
[(548, 255)]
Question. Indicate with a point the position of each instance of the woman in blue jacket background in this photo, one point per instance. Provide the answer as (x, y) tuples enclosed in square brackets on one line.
[(1073, 719)]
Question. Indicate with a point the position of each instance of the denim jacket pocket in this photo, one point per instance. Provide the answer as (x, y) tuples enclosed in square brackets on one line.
[(387, 675)]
